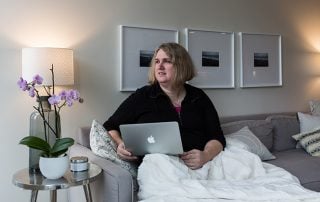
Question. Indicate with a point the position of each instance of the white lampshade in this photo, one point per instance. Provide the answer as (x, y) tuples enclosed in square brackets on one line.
[(40, 60)]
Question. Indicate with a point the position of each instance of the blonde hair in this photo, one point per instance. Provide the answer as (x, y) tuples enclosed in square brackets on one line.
[(181, 60)]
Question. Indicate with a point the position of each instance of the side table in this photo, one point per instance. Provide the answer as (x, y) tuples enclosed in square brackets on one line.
[(36, 182)]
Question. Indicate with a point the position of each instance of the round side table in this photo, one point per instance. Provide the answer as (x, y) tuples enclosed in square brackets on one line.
[(36, 182)]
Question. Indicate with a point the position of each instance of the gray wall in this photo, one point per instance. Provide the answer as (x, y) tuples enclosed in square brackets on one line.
[(91, 29)]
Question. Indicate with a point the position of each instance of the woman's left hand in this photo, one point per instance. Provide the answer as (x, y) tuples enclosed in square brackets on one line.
[(194, 159)]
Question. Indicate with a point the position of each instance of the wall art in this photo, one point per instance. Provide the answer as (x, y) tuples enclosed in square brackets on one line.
[(137, 47), (260, 56), (213, 55)]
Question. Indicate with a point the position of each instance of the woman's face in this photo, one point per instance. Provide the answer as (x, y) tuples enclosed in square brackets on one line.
[(164, 70)]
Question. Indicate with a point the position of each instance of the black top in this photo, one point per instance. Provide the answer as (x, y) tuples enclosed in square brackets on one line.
[(198, 119)]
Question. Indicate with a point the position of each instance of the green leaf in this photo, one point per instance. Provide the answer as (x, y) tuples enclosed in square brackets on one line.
[(61, 146), (35, 143), (58, 153)]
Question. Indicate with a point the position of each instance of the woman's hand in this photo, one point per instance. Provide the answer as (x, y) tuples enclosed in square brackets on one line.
[(194, 159), (125, 154), (121, 149)]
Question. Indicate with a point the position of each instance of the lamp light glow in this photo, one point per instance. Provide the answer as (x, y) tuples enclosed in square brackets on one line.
[(40, 60)]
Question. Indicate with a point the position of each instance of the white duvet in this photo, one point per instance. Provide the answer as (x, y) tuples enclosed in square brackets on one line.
[(234, 175)]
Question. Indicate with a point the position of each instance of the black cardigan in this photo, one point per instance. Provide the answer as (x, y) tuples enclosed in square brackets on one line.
[(198, 119)]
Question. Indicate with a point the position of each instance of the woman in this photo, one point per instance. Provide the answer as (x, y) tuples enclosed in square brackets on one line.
[(169, 98)]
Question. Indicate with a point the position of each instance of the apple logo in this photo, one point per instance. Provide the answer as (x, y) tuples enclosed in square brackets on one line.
[(151, 139)]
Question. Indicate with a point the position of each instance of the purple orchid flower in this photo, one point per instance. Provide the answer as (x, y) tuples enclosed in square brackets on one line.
[(70, 96), (63, 94), (32, 92), (69, 102), (54, 99), (37, 79), (22, 84), (74, 94)]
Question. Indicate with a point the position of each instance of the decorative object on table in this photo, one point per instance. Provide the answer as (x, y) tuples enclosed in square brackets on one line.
[(213, 55), (38, 129), (79, 163), (55, 167), (25, 180), (260, 56), (45, 124), (137, 47)]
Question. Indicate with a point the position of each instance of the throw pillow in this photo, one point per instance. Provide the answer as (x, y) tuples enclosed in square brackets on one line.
[(314, 107), (310, 141), (284, 126), (308, 122), (252, 143), (102, 145), (262, 129)]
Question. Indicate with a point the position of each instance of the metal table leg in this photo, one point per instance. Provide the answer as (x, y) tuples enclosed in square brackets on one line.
[(34, 195), (53, 196), (87, 192)]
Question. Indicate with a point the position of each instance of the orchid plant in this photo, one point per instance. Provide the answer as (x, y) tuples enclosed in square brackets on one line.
[(58, 101)]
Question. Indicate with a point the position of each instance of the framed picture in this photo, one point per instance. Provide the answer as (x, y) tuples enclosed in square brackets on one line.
[(260, 56), (213, 55), (137, 47)]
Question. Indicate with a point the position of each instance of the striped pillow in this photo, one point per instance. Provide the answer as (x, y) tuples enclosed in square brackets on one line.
[(310, 141)]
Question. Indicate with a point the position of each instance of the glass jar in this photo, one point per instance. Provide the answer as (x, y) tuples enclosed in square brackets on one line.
[(40, 129)]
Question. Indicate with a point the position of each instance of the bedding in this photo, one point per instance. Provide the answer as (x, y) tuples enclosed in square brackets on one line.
[(235, 175)]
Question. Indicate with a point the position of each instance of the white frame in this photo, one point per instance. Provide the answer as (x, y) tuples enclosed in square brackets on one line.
[(220, 44), (270, 73), (133, 40)]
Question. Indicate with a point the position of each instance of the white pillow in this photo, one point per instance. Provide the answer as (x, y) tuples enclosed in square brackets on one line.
[(249, 142), (308, 122), (102, 145)]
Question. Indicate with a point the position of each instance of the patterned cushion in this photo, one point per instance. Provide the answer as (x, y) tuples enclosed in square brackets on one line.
[(310, 141), (314, 107), (253, 144), (102, 145)]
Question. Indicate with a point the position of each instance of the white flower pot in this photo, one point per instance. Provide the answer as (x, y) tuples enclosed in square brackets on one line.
[(54, 168)]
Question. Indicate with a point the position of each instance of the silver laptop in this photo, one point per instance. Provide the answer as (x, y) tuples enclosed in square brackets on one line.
[(148, 138)]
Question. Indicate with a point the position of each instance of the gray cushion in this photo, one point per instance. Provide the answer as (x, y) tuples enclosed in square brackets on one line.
[(283, 129), (300, 164), (83, 137), (261, 128)]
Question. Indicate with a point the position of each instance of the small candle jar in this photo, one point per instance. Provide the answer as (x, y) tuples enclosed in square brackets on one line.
[(79, 163)]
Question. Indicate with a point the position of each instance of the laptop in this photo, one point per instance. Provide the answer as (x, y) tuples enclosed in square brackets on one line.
[(148, 138)]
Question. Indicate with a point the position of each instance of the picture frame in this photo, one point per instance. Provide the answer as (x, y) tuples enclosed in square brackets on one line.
[(260, 56), (137, 47), (213, 55)]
